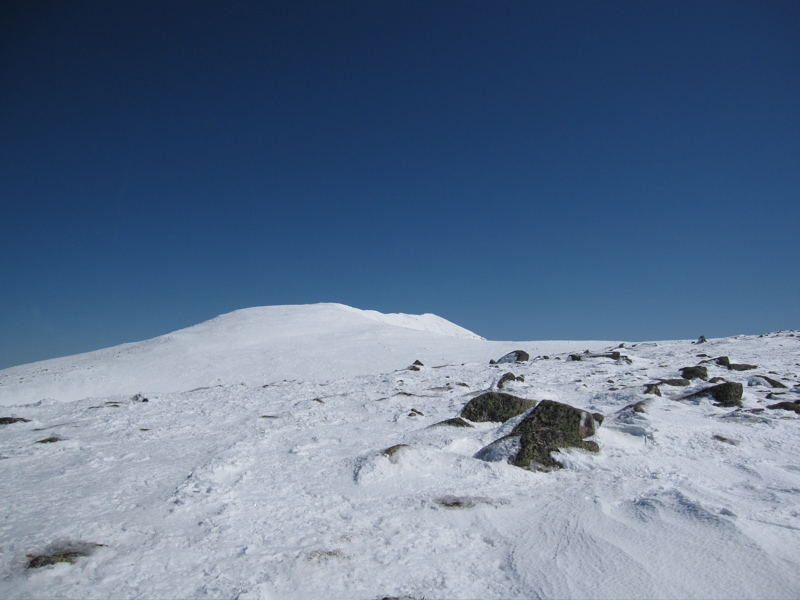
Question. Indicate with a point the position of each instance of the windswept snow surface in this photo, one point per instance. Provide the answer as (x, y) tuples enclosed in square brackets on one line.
[(282, 489), (316, 342)]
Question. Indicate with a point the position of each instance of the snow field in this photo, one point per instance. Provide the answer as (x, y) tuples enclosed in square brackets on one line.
[(319, 342), (284, 491)]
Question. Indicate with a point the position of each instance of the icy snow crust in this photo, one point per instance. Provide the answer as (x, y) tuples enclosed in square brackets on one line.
[(281, 489)]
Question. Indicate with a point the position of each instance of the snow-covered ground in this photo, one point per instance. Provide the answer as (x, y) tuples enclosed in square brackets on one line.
[(270, 481), (317, 342)]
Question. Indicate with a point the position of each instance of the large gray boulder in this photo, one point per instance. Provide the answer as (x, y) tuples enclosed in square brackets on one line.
[(694, 373), (495, 407), (533, 450), (549, 427), (557, 415)]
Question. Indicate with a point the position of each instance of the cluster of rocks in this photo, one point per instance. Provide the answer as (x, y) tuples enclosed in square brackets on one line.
[(547, 427), (551, 426), (726, 393), (509, 378)]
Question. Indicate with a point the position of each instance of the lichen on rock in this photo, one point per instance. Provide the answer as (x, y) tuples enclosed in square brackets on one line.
[(495, 407)]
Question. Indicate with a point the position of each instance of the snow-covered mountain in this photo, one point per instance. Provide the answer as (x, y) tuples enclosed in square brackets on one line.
[(317, 475), (257, 346)]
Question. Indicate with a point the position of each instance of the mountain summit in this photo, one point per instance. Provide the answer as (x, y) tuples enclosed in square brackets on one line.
[(315, 342)]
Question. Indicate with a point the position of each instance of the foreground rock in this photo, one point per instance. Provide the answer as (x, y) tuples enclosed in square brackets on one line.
[(549, 427), (496, 407), (557, 415)]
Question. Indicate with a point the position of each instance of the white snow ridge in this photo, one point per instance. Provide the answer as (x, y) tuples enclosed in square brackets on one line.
[(290, 452)]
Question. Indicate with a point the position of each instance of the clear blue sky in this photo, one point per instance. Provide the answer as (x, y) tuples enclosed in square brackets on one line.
[(528, 170)]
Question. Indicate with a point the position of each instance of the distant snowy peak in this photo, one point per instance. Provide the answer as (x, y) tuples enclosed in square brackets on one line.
[(310, 319), (253, 346), (425, 322)]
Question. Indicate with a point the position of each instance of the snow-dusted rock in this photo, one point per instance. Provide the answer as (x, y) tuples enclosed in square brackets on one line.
[(726, 394), (792, 406), (495, 406), (515, 356), (549, 427), (560, 416), (694, 372), (757, 380)]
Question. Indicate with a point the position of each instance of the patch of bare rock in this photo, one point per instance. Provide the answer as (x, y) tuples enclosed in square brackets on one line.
[(551, 426)]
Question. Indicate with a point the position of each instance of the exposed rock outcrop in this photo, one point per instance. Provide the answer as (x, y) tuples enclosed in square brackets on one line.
[(741, 367), (793, 406), (51, 440), (726, 394), (508, 378), (496, 407), (549, 427), (549, 413), (12, 420), (694, 373), (676, 382), (612, 355), (774, 383), (637, 407), (454, 422), (512, 357)]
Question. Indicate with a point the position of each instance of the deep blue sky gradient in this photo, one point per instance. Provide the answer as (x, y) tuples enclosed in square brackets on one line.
[(528, 170)]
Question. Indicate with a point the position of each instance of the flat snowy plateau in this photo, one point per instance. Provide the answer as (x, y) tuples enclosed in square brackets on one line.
[(256, 467)]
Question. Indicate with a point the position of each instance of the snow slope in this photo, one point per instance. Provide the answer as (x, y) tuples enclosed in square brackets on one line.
[(256, 346), (282, 489)]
